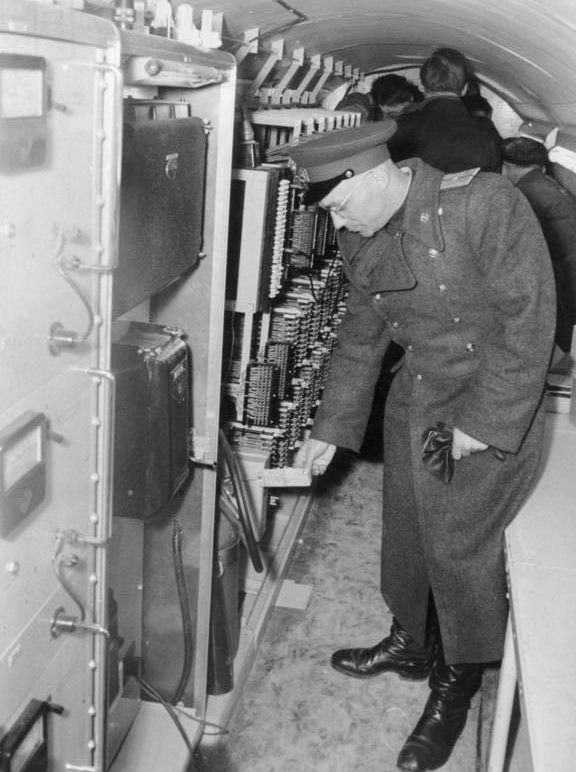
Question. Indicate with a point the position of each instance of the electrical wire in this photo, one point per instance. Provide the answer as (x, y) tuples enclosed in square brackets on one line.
[(220, 730), (174, 710), (170, 710), (245, 515), (62, 267), (309, 277), (183, 600), (58, 561), (232, 344)]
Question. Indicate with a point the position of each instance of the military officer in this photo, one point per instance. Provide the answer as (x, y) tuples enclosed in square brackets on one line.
[(454, 269)]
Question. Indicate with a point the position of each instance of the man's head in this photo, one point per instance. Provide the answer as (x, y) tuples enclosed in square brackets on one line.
[(520, 155), (447, 70), (392, 93), (349, 172)]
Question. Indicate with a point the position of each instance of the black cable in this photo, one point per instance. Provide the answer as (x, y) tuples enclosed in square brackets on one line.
[(232, 344), (187, 629), (245, 517), (312, 287)]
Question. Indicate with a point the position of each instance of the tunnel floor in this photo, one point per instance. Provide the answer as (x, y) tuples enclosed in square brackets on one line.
[(296, 714)]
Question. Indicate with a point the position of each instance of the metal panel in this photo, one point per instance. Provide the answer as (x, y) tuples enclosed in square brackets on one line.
[(58, 248)]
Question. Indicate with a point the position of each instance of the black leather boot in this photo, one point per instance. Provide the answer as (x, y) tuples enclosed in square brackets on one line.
[(397, 653), (444, 717)]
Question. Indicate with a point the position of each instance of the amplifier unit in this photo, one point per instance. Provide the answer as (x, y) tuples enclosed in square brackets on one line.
[(151, 457)]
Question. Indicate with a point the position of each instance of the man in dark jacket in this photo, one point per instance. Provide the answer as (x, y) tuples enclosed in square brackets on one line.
[(440, 129), (525, 161), (453, 268), (389, 95)]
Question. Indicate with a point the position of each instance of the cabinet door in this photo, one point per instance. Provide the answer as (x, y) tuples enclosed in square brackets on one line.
[(59, 145)]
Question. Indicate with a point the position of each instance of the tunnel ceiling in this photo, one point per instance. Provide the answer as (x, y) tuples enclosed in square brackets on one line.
[(525, 49)]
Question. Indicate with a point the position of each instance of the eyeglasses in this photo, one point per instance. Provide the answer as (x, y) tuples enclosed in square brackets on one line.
[(339, 207)]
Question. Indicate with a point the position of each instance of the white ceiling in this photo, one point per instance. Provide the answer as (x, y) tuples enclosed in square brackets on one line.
[(525, 49)]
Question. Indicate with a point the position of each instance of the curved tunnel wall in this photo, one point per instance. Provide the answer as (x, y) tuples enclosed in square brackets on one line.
[(524, 51)]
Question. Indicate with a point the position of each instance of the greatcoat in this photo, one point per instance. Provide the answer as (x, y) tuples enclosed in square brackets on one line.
[(462, 280)]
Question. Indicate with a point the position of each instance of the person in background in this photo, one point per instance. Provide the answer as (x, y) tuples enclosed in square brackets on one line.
[(358, 102), (453, 268), (389, 95), (394, 94), (442, 131), (525, 162)]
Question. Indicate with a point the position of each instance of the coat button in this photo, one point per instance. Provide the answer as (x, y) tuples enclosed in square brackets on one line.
[(433, 252), (395, 325), (471, 347), (377, 296), (409, 347), (424, 217), (456, 319), (442, 287), (419, 377), (440, 211)]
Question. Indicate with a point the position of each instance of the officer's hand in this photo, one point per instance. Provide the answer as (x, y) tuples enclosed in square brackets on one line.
[(463, 445), (314, 456)]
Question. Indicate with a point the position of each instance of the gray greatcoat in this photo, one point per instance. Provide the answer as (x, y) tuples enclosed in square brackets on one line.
[(462, 280)]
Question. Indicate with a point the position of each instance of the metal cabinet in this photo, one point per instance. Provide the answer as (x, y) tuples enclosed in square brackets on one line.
[(89, 600), (59, 139)]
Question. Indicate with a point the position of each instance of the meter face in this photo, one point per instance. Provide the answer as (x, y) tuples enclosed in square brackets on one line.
[(23, 112), (22, 456), (21, 93), (22, 469)]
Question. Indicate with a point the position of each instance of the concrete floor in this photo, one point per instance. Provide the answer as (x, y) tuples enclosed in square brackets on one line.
[(296, 714)]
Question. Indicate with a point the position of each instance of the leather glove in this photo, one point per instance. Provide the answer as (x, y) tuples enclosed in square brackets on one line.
[(437, 451)]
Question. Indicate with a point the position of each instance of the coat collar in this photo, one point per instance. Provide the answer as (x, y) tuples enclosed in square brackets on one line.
[(421, 210)]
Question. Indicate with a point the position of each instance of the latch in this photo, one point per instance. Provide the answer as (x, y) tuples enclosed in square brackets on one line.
[(62, 622)]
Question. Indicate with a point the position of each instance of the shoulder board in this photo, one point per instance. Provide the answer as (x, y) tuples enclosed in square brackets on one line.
[(458, 179)]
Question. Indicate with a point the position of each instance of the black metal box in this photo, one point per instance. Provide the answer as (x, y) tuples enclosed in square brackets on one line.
[(151, 365)]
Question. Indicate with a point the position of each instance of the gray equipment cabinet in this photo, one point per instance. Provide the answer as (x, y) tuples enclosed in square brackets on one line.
[(91, 609)]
